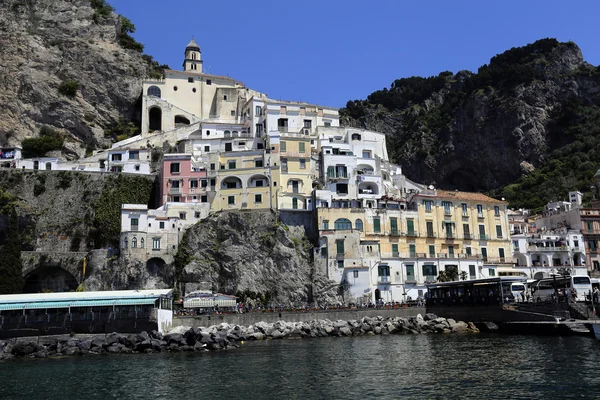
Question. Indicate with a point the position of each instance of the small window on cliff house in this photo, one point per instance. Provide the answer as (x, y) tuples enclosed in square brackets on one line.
[(142, 243), (154, 91), (134, 243)]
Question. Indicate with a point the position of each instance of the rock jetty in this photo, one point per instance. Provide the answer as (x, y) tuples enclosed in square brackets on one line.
[(223, 336)]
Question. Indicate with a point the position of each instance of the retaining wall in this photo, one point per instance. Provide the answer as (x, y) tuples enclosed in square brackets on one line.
[(254, 317)]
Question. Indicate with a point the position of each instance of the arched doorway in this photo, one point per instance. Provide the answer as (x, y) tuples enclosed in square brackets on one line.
[(49, 279), (155, 265), (155, 119), (377, 294)]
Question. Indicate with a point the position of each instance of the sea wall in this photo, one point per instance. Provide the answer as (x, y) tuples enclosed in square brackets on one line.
[(255, 317)]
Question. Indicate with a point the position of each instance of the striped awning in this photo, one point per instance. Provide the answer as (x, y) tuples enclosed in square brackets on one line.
[(75, 304)]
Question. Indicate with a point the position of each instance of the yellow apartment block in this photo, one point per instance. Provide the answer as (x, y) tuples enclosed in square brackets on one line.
[(295, 185)]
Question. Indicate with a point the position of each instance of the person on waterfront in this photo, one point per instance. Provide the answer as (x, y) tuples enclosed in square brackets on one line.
[(596, 295), (574, 294)]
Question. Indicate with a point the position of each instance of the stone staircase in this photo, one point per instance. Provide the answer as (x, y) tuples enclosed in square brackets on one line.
[(582, 311)]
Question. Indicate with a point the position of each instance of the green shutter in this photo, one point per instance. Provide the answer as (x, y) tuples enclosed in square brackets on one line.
[(376, 225), (394, 224), (340, 246), (411, 226), (301, 148), (394, 250), (282, 147), (413, 250), (331, 172)]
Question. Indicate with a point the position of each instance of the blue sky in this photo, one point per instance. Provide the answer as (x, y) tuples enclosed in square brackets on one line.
[(329, 52)]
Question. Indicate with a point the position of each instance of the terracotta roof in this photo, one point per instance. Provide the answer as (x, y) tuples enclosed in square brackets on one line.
[(471, 196)]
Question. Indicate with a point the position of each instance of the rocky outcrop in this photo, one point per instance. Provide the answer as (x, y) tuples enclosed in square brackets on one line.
[(223, 336), (45, 44), (252, 250), (484, 130)]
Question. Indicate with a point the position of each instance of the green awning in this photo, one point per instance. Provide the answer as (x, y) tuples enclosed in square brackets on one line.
[(76, 304)]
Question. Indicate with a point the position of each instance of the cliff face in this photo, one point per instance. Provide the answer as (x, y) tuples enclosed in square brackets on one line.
[(66, 44), (484, 130), (251, 251)]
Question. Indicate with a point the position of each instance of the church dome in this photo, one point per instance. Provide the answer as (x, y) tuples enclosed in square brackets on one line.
[(192, 45)]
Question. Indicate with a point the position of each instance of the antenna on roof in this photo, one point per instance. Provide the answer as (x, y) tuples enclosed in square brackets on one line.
[(208, 69)]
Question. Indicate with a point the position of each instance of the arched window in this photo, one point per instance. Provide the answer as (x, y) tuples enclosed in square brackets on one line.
[(154, 91), (48, 166), (234, 133), (359, 224), (142, 243), (295, 203), (134, 242), (125, 243), (227, 133), (342, 223)]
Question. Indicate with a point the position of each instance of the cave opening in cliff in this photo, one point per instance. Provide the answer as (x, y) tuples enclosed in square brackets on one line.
[(155, 119), (50, 279)]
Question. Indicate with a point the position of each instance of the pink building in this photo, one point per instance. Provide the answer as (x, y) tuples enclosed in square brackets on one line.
[(182, 181)]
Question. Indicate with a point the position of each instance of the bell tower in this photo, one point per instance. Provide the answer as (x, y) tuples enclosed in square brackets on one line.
[(193, 57)]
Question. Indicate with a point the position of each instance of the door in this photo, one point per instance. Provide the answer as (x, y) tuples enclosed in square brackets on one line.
[(295, 187), (295, 203)]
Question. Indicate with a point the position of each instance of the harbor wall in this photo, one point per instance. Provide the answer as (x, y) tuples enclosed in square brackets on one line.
[(252, 318)]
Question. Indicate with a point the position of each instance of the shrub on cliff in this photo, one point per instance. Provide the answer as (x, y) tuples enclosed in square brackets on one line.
[(49, 140), (68, 88)]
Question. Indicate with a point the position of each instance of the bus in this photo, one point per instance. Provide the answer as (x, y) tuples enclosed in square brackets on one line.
[(477, 292), (545, 289)]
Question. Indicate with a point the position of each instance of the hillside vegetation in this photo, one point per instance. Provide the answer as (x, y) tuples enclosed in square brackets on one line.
[(524, 127)]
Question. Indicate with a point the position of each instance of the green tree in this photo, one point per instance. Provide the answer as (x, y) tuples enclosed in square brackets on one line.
[(11, 269)]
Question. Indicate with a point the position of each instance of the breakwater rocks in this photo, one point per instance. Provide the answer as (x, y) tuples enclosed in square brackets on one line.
[(223, 336)]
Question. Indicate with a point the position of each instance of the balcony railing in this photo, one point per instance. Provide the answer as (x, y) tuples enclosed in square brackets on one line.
[(467, 236), (412, 233), (395, 232), (430, 234), (451, 236), (174, 190), (483, 237), (384, 279)]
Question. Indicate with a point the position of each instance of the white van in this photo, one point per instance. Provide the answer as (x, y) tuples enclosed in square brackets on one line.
[(519, 291)]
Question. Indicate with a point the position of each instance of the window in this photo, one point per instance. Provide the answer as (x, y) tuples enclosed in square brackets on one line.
[(383, 270), (134, 155), (203, 183), (259, 129), (257, 111), (342, 223), (175, 184), (376, 225), (410, 226), (451, 251), (258, 163), (282, 124), (307, 123), (412, 249), (193, 183), (161, 225), (194, 89), (395, 250), (499, 231), (466, 231), (479, 211), (231, 165), (142, 243), (575, 243), (327, 124), (302, 163), (283, 146), (206, 149), (225, 97), (465, 210), (496, 211), (204, 199), (208, 82), (410, 272), (394, 225), (125, 243), (366, 154), (137, 167), (174, 168), (325, 224), (156, 244), (482, 232), (341, 188), (501, 253), (355, 273), (472, 273), (212, 166), (430, 232), (358, 224), (230, 200), (484, 253), (190, 80), (116, 157), (284, 165), (301, 147), (207, 133), (258, 183), (182, 215), (339, 245), (428, 205), (429, 271), (175, 88), (447, 207), (258, 198), (233, 113), (134, 224), (154, 91), (340, 264), (295, 203), (590, 226), (197, 214), (492, 271), (468, 250), (431, 250)]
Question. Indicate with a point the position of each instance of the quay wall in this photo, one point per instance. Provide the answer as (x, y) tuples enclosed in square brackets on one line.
[(252, 318)]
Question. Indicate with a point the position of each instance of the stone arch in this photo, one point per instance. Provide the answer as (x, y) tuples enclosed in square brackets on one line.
[(377, 294), (521, 259), (49, 279), (254, 179), (181, 120), (154, 91), (231, 182), (368, 188), (155, 265), (155, 119), (342, 223)]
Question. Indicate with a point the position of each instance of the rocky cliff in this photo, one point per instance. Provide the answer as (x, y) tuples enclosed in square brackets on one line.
[(68, 64), (486, 130), (252, 252)]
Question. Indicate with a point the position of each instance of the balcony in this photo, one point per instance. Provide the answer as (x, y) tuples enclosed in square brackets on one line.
[(448, 213), (339, 257), (174, 190), (480, 216), (467, 236), (483, 237), (384, 279), (411, 233), (395, 232), (395, 254), (465, 214), (547, 249), (451, 236), (430, 234)]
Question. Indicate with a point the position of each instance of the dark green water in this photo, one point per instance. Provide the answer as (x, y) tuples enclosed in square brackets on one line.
[(375, 367)]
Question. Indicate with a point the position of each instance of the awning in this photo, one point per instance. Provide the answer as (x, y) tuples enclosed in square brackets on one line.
[(75, 304)]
